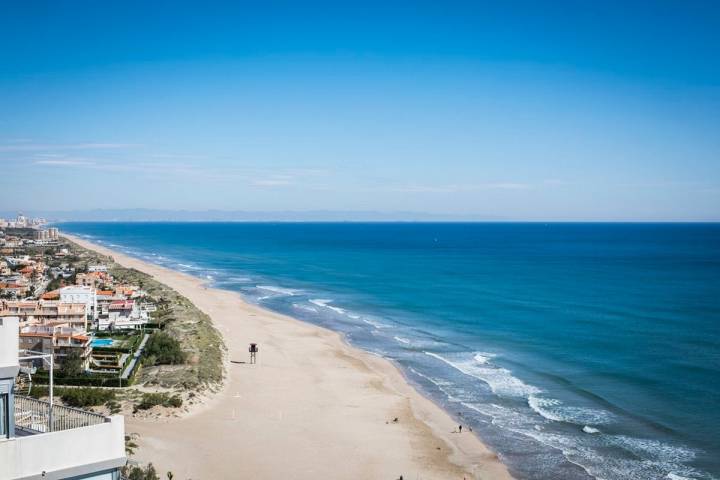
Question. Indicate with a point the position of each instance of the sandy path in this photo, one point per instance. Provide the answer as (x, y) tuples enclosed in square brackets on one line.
[(312, 408)]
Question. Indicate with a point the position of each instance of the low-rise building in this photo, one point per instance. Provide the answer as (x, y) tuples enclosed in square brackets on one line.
[(123, 315), (13, 290), (43, 312), (93, 279), (81, 294), (59, 340)]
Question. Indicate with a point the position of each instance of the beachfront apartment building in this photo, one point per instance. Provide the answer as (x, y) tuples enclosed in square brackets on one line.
[(43, 441), (123, 315), (57, 339), (45, 236), (81, 294), (93, 279), (43, 312), (14, 289)]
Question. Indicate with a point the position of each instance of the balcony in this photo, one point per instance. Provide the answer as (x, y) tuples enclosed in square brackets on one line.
[(60, 443), (34, 416)]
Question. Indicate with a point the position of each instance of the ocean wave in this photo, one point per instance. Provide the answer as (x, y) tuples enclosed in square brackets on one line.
[(483, 358), (500, 380), (402, 340), (653, 449), (238, 279), (325, 303), (675, 476), (643, 459), (279, 290), (555, 410), (442, 385), (374, 323), (307, 308)]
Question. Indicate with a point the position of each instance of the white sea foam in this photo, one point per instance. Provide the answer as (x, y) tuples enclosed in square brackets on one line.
[(325, 303), (655, 449), (588, 429), (307, 308), (278, 290), (402, 340), (651, 459), (374, 323), (441, 384), (500, 380), (483, 358), (675, 476), (239, 279), (540, 405), (555, 410)]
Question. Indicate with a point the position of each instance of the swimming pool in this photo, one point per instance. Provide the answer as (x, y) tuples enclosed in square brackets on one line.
[(102, 342)]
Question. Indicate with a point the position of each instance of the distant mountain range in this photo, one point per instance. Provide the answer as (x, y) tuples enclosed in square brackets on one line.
[(156, 215)]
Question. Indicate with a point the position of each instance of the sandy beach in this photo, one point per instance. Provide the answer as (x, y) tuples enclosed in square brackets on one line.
[(311, 408)]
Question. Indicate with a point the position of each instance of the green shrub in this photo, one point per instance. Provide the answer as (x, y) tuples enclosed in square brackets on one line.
[(72, 365), (114, 407), (150, 400), (133, 472), (86, 397), (76, 397), (162, 349)]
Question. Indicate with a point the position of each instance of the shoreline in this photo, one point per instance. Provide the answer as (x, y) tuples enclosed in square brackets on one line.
[(312, 399)]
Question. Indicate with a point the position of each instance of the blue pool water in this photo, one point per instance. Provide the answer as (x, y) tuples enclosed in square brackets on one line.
[(575, 350), (101, 342)]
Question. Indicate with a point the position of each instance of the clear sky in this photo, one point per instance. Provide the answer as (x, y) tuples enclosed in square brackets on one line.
[(582, 110)]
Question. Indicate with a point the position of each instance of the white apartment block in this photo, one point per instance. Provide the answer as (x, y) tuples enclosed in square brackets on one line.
[(81, 294)]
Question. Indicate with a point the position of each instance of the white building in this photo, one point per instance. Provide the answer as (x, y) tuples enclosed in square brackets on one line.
[(40, 440), (96, 268), (123, 315), (81, 294)]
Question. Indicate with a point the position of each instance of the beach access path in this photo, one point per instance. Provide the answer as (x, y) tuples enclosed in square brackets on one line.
[(136, 357), (311, 408)]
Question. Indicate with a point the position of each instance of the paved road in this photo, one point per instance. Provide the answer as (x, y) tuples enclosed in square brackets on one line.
[(136, 357)]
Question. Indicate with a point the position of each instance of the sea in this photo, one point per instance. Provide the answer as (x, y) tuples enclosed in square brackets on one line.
[(574, 350)]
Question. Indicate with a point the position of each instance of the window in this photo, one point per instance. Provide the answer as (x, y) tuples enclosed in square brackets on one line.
[(4, 419)]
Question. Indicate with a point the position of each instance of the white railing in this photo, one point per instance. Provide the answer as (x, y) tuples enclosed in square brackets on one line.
[(36, 416)]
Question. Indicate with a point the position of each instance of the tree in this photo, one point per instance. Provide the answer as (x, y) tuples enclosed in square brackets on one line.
[(161, 349), (72, 365), (139, 473)]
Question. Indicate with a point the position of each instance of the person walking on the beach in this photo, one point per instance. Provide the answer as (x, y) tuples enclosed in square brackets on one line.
[(459, 428)]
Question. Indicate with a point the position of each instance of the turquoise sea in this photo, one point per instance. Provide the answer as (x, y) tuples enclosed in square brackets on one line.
[(576, 351)]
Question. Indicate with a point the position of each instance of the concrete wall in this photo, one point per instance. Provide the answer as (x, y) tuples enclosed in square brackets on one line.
[(64, 454), (8, 347)]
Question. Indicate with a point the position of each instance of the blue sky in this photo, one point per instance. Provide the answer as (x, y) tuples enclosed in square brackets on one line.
[(511, 110)]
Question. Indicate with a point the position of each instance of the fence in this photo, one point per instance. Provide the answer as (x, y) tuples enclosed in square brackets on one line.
[(35, 416)]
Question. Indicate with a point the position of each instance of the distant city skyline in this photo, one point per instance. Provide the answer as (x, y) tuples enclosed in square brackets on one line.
[(468, 110)]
